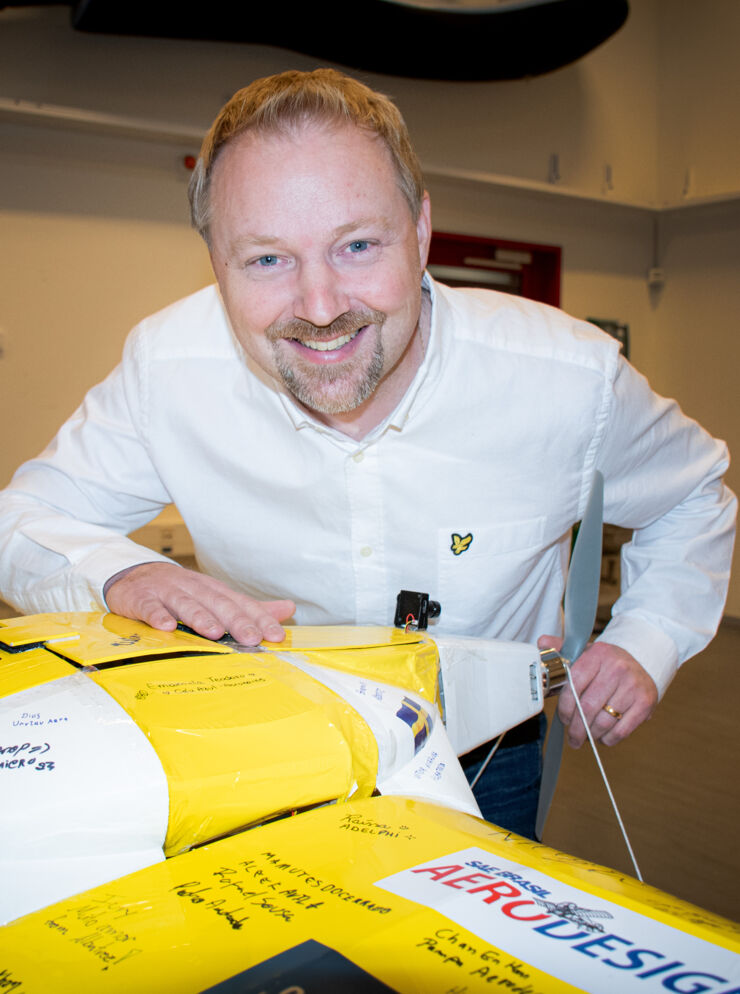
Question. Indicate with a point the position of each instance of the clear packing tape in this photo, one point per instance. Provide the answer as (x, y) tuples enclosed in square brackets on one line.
[(120, 745), (380, 894)]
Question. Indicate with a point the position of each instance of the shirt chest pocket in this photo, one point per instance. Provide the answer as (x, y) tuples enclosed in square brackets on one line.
[(488, 575)]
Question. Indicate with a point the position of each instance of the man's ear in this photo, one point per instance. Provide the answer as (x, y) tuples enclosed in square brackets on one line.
[(424, 229)]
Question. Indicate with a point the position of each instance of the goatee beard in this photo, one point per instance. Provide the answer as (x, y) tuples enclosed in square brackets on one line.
[(331, 388)]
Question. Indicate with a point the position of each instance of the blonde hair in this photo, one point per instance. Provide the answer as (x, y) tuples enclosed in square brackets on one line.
[(281, 103)]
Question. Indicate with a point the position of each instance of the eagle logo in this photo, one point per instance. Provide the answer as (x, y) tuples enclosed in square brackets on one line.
[(460, 543), (571, 912)]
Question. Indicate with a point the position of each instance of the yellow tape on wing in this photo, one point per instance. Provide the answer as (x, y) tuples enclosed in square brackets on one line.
[(331, 880), (389, 655), (242, 738), (414, 667), (36, 628), (31, 668), (303, 637), (91, 637)]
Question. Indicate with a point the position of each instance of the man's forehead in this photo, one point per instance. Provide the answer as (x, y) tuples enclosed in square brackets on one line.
[(267, 169), (248, 146)]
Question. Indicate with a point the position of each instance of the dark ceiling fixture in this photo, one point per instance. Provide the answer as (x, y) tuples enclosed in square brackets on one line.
[(423, 39)]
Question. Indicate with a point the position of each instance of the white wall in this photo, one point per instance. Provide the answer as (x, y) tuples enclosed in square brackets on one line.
[(698, 105), (94, 235)]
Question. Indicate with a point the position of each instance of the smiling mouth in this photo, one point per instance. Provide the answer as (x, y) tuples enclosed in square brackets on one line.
[(332, 345)]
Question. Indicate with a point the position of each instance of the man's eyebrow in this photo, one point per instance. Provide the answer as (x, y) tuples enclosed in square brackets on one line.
[(384, 223), (253, 240)]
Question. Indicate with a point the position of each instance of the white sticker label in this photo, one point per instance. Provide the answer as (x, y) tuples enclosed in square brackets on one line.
[(580, 938)]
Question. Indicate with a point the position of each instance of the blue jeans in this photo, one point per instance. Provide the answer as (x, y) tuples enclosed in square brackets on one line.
[(509, 790)]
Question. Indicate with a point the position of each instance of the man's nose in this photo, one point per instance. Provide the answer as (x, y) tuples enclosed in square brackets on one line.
[(320, 297)]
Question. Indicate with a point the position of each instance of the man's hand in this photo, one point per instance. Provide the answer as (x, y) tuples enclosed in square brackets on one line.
[(161, 594), (604, 674)]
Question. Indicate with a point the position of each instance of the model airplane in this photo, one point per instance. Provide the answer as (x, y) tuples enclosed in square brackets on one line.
[(183, 815), (120, 745)]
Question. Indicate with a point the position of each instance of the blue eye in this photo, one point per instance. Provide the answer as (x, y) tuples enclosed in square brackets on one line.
[(359, 246), (267, 260)]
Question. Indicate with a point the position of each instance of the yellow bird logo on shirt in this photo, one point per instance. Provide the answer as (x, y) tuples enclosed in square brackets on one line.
[(461, 542)]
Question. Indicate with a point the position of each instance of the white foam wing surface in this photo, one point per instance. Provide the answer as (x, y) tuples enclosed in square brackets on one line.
[(488, 687), (84, 796)]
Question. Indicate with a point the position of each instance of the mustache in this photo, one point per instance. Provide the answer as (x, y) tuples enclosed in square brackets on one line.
[(344, 324)]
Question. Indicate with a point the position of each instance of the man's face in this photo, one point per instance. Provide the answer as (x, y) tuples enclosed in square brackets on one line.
[(319, 262)]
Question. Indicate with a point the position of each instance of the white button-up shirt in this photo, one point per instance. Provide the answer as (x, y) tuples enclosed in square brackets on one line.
[(468, 491)]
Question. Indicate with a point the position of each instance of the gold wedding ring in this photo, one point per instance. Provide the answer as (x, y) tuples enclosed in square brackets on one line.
[(612, 711)]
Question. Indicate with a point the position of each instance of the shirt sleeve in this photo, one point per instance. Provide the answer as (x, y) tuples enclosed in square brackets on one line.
[(65, 515), (663, 478)]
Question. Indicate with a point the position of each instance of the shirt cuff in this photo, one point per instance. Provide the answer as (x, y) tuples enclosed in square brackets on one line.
[(655, 651)]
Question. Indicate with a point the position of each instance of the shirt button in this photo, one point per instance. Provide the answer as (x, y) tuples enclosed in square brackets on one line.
[(366, 551), (358, 456)]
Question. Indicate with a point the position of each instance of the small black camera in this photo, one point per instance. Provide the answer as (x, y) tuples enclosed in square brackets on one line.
[(413, 610)]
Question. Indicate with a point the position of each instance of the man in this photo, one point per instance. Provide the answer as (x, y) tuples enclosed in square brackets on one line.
[(330, 417)]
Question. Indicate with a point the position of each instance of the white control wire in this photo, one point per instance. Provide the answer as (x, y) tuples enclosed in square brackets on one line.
[(487, 760), (603, 774)]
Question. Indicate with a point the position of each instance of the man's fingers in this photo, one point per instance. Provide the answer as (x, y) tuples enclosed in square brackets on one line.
[(275, 612), (596, 685), (550, 642), (582, 674), (604, 726), (249, 621), (217, 610), (605, 675), (632, 718), (280, 610), (154, 613), (608, 729), (134, 594), (202, 612), (161, 594)]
